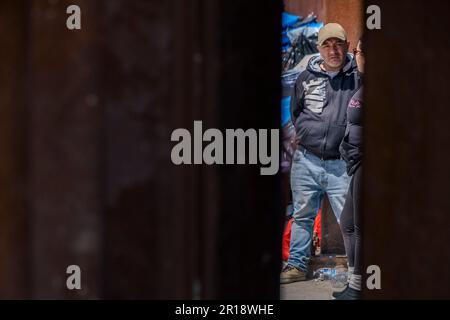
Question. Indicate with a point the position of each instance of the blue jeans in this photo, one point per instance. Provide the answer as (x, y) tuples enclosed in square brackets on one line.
[(311, 178)]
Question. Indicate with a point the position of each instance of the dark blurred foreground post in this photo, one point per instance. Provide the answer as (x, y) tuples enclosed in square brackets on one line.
[(407, 177), (86, 174)]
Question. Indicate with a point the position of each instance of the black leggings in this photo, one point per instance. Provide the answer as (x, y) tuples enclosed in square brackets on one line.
[(351, 222)]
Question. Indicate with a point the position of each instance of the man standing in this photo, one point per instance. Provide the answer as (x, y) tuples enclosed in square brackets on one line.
[(318, 106)]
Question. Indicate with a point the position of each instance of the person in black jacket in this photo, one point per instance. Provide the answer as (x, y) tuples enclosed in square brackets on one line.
[(318, 107), (351, 225)]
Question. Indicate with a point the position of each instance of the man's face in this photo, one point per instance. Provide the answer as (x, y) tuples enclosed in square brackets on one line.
[(334, 52)]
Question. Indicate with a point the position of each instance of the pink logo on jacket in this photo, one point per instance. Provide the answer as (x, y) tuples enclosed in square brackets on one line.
[(355, 103)]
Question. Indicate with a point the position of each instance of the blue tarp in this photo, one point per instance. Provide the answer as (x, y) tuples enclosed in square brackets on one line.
[(289, 20), (285, 110), (295, 23), (295, 28)]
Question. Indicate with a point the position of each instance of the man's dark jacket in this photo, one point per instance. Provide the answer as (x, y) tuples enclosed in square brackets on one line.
[(319, 106)]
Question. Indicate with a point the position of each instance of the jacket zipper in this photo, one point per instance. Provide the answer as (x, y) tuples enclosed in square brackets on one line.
[(329, 121)]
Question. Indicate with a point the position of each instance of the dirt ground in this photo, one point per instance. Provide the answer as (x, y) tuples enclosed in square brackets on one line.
[(307, 290)]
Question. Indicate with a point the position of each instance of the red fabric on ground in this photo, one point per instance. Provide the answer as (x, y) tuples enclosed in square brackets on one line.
[(317, 226), (287, 239), (287, 234)]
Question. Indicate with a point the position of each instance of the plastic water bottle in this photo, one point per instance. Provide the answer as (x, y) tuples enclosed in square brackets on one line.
[(340, 279), (324, 274)]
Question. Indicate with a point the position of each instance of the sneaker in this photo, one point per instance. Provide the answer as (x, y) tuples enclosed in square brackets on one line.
[(292, 274), (337, 294), (350, 294)]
